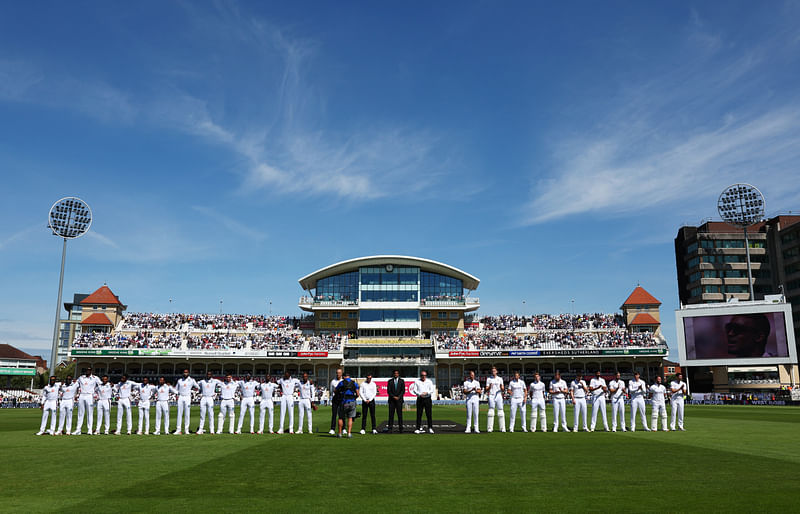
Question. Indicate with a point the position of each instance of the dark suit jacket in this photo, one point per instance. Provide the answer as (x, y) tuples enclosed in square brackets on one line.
[(400, 390)]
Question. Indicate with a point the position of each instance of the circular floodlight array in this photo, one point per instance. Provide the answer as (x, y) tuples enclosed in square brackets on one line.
[(741, 204), (70, 217)]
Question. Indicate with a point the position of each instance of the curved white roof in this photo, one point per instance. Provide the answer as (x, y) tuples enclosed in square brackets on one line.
[(310, 280)]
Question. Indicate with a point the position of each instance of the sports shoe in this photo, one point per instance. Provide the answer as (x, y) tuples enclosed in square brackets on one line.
[(138, 432), (260, 432), (575, 429), (374, 431), (363, 431), (39, 432), (106, 432), (613, 430), (280, 430), (177, 432), (624, 429), (58, 432), (338, 436), (417, 431), (349, 435), (96, 432), (682, 429), (270, 431), (129, 432), (200, 432), (430, 430), (467, 431), (510, 431), (299, 432), (331, 432), (75, 433), (156, 433), (238, 431), (524, 429), (252, 433), (291, 431)]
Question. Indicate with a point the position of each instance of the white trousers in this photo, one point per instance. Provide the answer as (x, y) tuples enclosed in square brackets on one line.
[(49, 410), (658, 409), (599, 404), (517, 404), (266, 405), (144, 416), (206, 409), (65, 415), (85, 404), (637, 405), (248, 405), (184, 408), (579, 407), (103, 414), (124, 410), (536, 407), (496, 405), (617, 410), (560, 410), (473, 408), (162, 411), (304, 406), (677, 413), (287, 403), (226, 408)]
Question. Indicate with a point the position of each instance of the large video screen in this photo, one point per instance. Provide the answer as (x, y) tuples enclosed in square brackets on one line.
[(736, 333)]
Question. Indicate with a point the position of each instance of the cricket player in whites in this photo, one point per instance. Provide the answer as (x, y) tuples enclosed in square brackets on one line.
[(598, 388), (306, 400), (658, 402), (50, 406), (146, 392), (162, 404), (617, 390), (472, 391), (494, 389), (288, 386), (87, 384), (677, 389), (208, 390), (267, 389), (577, 391), (558, 391), (184, 386), (226, 406), (124, 389), (517, 388), (68, 390), (536, 394), (248, 387), (104, 393), (637, 389)]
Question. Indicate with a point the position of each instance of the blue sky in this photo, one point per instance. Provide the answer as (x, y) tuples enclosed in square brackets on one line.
[(227, 149)]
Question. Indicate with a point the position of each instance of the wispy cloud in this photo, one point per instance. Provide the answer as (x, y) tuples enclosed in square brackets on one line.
[(231, 224), (678, 138), (7, 240)]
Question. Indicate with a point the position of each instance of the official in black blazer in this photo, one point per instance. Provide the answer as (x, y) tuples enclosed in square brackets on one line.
[(396, 389)]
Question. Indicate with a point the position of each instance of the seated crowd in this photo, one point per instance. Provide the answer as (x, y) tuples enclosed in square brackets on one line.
[(475, 340), (178, 321), (586, 321), (138, 340)]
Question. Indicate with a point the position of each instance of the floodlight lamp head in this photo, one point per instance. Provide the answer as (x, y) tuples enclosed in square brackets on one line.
[(70, 217), (741, 204)]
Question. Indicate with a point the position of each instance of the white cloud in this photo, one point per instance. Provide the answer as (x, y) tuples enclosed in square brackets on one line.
[(231, 224)]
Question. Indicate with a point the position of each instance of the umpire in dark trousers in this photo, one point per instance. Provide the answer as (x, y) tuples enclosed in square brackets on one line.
[(396, 389)]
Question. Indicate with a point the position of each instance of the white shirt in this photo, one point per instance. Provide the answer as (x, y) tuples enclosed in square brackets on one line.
[(208, 387), (557, 388), (493, 384), (517, 388), (88, 384), (619, 386), (267, 390), (577, 388), (163, 392), (228, 389), (681, 386), (334, 383), (185, 386), (422, 388), (124, 389), (368, 390), (288, 385), (68, 391), (146, 392), (104, 391), (659, 393), (636, 388), (248, 388), (307, 390), (471, 387), (537, 390), (599, 383), (50, 392)]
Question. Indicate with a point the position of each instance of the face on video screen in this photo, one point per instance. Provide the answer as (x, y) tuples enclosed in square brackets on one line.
[(736, 336)]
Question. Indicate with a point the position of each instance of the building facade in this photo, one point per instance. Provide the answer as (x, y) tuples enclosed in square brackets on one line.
[(389, 296)]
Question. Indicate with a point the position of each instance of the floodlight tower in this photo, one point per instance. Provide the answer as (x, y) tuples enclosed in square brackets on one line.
[(70, 218), (742, 205)]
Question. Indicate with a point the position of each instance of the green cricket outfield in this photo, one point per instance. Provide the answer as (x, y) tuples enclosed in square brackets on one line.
[(731, 458)]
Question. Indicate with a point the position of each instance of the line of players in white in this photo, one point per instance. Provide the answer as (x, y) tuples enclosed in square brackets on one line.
[(578, 391), (90, 391)]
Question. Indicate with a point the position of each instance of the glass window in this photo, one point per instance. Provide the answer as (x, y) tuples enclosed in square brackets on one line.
[(730, 243), (454, 315), (707, 243), (712, 289), (737, 289), (691, 248), (693, 262), (788, 238), (389, 296), (442, 315), (426, 315), (323, 315), (389, 315), (440, 287), (336, 315), (791, 252), (352, 315), (343, 287)]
